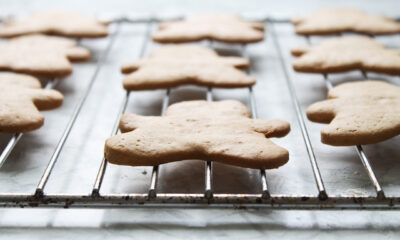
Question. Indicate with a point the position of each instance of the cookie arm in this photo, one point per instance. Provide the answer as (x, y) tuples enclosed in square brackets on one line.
[(238, 62), (78, 54), (45, 99), (131, 66), (271, 128), (298, 51), (257, 25), (322, 112), (129, 121)]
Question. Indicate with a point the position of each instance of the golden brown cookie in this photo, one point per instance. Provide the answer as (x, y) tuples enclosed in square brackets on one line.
[(213, 131), (216, 26), (338, 20), (345, 54), (62, 23), (41, 55), (175, 65), (21, 98), (358, 113)]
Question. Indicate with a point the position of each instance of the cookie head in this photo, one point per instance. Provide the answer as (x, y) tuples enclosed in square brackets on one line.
[(41, 55), (21, 98), (338, 20), (211, 131), (62, 23), (216, 26), (358, 113), (345, 54), (175, 65)]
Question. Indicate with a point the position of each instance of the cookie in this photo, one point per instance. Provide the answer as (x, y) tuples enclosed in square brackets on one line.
[(62, 23), (358, 113), (338, 20), (345, 54), (175, 65), (21, 98), (41, 55), (212, 131), (216, 26)]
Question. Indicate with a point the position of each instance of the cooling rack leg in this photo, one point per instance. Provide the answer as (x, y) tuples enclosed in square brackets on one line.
[(208, 192), (317, 175), (102, 169), (154, 175), (253, 108)]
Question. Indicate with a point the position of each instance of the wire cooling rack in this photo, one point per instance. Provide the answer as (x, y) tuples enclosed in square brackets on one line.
[(207, 198)]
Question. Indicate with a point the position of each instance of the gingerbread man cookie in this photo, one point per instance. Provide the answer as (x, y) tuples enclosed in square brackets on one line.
[(213, 131), (338, 20), (358, 113), (41, 55), (345, 54), (21, 98), (62, 23), (176, 65), (216, 26)]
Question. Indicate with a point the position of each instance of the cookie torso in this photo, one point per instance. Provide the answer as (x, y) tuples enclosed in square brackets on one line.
[(215, 26), (338, 20), (216, 131), (63, 23), (358, 113), (41, 55), (21, 98), (176, 65), (345, 54)]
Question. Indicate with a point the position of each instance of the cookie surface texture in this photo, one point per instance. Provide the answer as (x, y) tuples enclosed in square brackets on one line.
[(62, 23), (174, 65), (338, 20), (358, 113), (214, 131), (21, 98), (41, 55), (215, 26), (345, 54)]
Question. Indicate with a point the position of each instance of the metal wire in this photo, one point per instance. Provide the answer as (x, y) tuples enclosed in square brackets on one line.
[(102, 169), (317, 175), (208, 193)]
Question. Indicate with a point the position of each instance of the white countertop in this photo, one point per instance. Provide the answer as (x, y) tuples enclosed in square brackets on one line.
[(75, 170)]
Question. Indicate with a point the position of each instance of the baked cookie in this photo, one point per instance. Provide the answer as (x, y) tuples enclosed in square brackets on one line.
[(62, 23), (41, 55), (213, 131), (358, 113), (338, 20), (345, 54), (21, 98), (175, 65), (216, 26)]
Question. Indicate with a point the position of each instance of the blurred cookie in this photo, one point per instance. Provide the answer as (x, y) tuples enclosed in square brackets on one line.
[(358, 113), (21, 98), (216, 26), (176, 65), (41, 55), (338, 20), (213, 131), (62, 23), (345, 54)]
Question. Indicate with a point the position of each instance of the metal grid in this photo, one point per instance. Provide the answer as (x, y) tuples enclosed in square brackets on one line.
[(208, 198)]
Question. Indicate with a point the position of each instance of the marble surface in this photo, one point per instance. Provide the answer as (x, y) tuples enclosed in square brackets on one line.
[(77, 166)]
